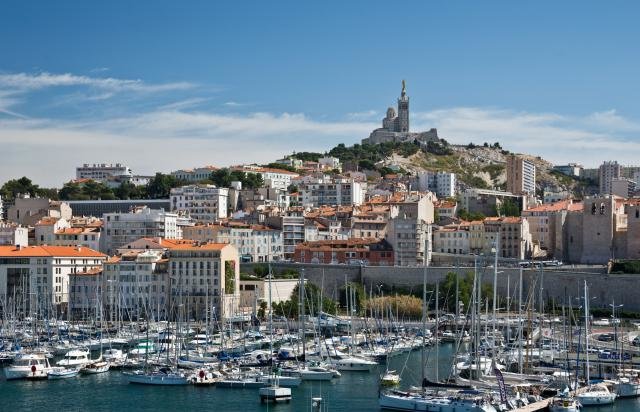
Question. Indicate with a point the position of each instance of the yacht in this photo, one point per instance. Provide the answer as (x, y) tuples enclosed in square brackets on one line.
[(352, 363), (75, 358), (95, 367), (28, 366), (390, 378)]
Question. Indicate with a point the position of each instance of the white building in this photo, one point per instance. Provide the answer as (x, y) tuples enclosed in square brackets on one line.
[(203, 203), (255, 243), (254, 292), (607, 172), (12, 234), (329, 162), (102, 172), (327, 191), (37, 277), (454, 239), (273, 178), (122, 228), (443, 184), (194, 175), (293, 231), (411, 241)]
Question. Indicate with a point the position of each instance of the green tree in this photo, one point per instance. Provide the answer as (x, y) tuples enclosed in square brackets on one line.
[(160, 186), (14, 187), (289, 308), (90, 190), (128, 190)]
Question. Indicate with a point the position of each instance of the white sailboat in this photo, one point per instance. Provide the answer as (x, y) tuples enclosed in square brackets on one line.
[(597, 394), (274, 392)]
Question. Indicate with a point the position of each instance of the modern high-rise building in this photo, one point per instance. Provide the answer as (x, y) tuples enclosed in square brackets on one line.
[(521, 175), (607, 172)]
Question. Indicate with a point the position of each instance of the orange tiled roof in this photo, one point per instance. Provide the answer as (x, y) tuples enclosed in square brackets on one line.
[(49, 251), (551, 207)]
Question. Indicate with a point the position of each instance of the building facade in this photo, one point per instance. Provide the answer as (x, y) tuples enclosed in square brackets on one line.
[(205, 279), (35, 279), (203, 203), (101, 172), (122, 228), (607, 172), (368, 252), (521, 175)]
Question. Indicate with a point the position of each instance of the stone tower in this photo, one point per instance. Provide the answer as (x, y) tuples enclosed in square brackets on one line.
[(403, 110)]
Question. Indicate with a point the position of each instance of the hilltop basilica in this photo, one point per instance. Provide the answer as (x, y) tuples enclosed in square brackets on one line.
[(395, 128)]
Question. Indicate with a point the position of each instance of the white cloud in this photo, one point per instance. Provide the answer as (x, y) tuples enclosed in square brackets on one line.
[(29, 82), (555, 137), (365, 115), (161, 141), (236, 104)]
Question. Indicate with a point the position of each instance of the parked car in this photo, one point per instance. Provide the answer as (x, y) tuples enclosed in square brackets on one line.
[(606, 337)]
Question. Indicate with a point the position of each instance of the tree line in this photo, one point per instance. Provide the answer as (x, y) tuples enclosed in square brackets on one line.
[(159, 187)]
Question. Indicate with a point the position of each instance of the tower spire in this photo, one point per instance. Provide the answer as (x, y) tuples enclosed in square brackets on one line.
[(404, 88)]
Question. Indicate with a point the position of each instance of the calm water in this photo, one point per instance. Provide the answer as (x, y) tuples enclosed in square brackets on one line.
[(354, 391)]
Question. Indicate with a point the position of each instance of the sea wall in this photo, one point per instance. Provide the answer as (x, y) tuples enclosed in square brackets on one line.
[(556, 284)]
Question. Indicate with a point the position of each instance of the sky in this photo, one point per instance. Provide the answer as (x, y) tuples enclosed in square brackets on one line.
[(165, 85)]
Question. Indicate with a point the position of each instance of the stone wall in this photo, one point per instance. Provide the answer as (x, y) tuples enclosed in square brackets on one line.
[(604, 287)]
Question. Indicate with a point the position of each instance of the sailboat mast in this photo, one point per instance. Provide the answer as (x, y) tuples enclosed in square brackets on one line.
[(424, 324), (586, 327)]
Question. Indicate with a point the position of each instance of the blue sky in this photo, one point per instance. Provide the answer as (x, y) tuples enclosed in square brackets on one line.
[(163, 85)]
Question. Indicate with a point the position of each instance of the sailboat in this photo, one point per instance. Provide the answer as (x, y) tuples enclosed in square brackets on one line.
[(461, 401), (160, 376), (597, 394), (352, 362), (273, 392)]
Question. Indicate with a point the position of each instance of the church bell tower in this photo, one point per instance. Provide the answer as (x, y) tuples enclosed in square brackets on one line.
[(403, 110)]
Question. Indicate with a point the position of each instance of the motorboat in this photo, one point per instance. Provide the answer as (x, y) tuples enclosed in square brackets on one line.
[(62, 373), (28, 366), (390, 378), (144, 347), (75, 358), (96, 367), (353, 363)]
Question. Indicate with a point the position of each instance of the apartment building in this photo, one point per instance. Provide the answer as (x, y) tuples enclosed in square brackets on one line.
[(27, 211), (36, 278), (441, 183), (203, 203), (205, 278), (122, 228), (195, 175), (255, 243), (273, 178), (607, 172), (328, 191), (521, 175), (12, 234), (453, 238), (368, 252)]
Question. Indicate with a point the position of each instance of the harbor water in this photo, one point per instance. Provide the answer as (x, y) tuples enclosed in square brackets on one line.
[(353, 392)]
